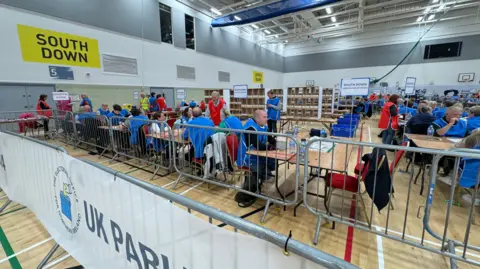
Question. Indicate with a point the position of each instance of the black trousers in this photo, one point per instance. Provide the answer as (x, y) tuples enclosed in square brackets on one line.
[(272, 126)]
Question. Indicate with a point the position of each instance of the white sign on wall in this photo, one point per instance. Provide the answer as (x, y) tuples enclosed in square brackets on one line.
[(410, 85), (60, 96), (181, 94), (354, 86), (240, 91)]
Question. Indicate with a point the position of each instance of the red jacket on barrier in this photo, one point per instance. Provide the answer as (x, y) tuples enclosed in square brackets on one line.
[(385, 117)]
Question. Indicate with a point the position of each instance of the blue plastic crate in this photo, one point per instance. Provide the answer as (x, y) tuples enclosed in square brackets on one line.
[(355, 116), (347, 121), (343, 130)]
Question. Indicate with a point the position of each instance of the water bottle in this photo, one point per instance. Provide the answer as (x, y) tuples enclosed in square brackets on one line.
[(295, 131), (303, 146), (430, 130), (323, 133), (292, 146)]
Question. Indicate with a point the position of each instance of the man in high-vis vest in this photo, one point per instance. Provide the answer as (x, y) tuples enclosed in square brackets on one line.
[(215, 108), (144, 103)]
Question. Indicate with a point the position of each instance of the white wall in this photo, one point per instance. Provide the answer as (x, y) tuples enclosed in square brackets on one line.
[(441, 73), (157, 61)]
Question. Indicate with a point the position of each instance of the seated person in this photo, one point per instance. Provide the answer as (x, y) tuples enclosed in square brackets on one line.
[(118, 112), (359, 106), (439, 112), (198, 136), (469, 166), (230, 121), (187, 116), (419, 123), (158, 128), (134, 123), (451, 125), (85, 113), (473, 121), (260, 167), (104, 111), (193, 104)]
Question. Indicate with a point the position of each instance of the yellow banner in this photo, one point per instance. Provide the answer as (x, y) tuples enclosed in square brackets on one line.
[(257, 77), (45, 46)]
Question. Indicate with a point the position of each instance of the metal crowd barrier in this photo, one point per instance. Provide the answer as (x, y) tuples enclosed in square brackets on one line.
[(35, 123), (328, 183), (222, 148)]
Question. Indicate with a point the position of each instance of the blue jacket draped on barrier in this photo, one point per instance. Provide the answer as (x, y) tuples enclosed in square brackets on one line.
[(197, 135)]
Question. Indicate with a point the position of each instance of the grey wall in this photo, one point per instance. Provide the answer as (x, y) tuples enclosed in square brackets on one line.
[(379, 56), (123, 16), (221, 43), (128, 17)]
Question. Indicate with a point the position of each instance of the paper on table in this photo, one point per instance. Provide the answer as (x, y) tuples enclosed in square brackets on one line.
[(323, 147), (455, 140)]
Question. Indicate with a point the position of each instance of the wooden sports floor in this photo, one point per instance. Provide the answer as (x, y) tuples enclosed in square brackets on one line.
[(29, 239)]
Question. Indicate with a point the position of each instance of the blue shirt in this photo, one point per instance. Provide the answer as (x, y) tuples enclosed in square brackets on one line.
[(459, 129), (272, 113), (86, 101), (135, 123), (103, 112), (244, 159), (86, 115), (118, 118), (153, 102), (473, 123), (470, 171), (197, 135)]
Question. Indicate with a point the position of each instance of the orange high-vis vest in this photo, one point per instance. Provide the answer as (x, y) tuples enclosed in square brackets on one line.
[(40, 111), (385, 117)]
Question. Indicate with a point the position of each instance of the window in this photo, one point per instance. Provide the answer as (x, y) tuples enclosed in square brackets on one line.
[(189, 32), (165, 23)]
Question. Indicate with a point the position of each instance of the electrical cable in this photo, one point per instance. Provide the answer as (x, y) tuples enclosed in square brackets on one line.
[(416, 44)]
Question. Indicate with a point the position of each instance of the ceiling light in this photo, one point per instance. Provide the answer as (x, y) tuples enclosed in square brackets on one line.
[(441, 7), (435, 1), (419, 19), (427, 10), (267, 32), (286, 41), (334, 19), (328, 10), (336, 24), (276, 36), (214, 10), (431, 17), (254, 26), (237, 18)]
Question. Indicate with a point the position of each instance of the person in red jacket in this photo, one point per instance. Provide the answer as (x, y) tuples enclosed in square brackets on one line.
[(389, 119), (215, 108), (43, 109), (162, 105), (202, 105)]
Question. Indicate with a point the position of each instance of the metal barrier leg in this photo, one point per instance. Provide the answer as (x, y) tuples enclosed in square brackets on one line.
[(176, 182), (5, 205), (451, 249), (317, 230), (262, 221), (47, 258)]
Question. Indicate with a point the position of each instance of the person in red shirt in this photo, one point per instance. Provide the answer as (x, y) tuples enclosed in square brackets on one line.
[(162, 105), (372, 97), (43, 109), (389, 119), (64, 105), (202, 105), (215, 108)]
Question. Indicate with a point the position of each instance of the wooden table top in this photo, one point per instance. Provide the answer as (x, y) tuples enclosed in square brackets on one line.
[(115, 127), (178, 134), (282, 155), (324, 159), (425, 141)]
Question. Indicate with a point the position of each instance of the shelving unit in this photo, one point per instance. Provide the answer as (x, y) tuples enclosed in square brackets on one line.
[(303, 103), (246, 106)]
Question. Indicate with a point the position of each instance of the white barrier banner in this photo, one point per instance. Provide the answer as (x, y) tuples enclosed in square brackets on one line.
[(106, 222)]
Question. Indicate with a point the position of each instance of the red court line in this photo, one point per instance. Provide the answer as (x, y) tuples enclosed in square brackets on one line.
[(349, 243)]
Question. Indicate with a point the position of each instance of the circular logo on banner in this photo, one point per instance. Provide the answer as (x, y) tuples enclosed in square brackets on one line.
[(66, 200)]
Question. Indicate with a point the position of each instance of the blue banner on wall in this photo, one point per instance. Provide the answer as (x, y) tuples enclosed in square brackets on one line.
[(61, 72), (268, 11)]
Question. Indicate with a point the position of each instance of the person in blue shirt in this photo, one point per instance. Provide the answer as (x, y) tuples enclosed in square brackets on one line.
[(116, 113), (85, 100), (187, 116), (152, 101), (193, 104), (85, 113), (196, 135), (260, 167), (451, 125), (104, 111), (440, 112), (473, 121), (134, 123), (469, 167), (274, 106)]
